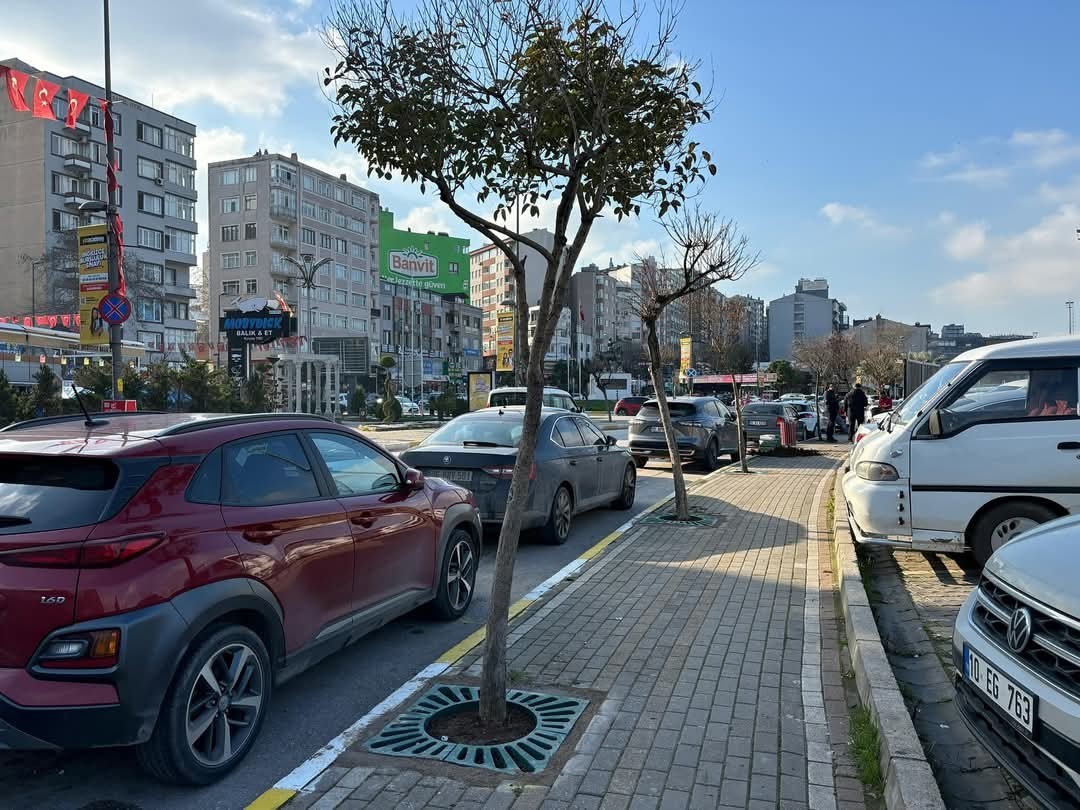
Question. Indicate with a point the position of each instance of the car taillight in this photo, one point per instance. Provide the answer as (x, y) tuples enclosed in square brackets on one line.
[(96, 554), (506, 473), (98, 649)]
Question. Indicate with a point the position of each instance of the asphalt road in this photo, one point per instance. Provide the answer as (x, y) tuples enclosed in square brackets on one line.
[(313, 708)]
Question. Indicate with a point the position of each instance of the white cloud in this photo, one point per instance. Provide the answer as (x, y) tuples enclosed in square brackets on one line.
[(841, 214), (424, 218), (966, 242), (234, 55), (936, 160), (1069, 192), (946, 218), (981, 176), (221, 143), (1046, 148), (1031, 266)]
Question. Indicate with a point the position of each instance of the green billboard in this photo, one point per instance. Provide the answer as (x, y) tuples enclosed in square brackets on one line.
[(430, 261)]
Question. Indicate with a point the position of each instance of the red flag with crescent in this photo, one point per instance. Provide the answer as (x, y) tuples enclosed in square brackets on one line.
[(121, 285), (66, 320), (76, 102), (44, 91), (16, 88)]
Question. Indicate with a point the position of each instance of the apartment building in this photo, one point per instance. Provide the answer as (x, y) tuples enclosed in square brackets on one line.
[(673, 324), (754, 333), (594, 293), (48, 172), (268, 206), (807, 313)]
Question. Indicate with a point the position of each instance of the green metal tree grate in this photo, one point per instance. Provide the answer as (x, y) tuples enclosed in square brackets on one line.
[(407, 735)]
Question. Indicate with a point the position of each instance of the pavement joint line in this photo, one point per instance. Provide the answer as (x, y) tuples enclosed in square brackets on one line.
[(309, 771)]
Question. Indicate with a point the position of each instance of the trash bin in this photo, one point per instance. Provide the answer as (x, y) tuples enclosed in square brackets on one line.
[(787, 432)]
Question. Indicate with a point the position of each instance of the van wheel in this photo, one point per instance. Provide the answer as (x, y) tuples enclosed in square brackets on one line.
[(213, 710), (1002, 523)]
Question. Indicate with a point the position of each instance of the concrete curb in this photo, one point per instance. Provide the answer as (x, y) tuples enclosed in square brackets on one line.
[(909, 781)]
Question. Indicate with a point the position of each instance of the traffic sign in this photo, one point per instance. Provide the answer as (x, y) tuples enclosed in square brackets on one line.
[(115, 309), (691, 372)]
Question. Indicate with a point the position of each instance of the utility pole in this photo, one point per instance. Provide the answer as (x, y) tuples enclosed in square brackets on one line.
[(116, 331), (1069, 307)]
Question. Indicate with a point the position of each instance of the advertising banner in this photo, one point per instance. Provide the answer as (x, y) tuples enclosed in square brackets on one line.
[(479, 388), (685, 351), (504, 341), (428, 261), (93, 283)]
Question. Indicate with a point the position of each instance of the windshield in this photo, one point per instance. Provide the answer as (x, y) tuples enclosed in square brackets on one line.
[(482, 431), (927, 392)]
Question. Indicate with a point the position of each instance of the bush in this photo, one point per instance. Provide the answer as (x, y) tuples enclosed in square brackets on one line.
[(358, 401), (391, 409)]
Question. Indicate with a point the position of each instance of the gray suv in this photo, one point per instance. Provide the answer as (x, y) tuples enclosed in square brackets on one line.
[(704, 429), (1016, 646)]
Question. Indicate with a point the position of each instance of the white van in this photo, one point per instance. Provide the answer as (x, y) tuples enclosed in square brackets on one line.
[(986, 448), (514, 396)]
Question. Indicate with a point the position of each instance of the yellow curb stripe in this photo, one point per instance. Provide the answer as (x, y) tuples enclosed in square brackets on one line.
[(462, 648), (271, 799), (589, 553)]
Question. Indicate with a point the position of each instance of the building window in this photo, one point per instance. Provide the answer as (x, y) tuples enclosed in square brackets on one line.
[(359, 300), (230, 287), (251, 286), (179, 142), (307, 236), (251, 258), (358, 201), (150, 310), (356, 250), (180, 207), (341, 272), (308, 209), (438, 322), (118, 125), (358, 277), (356, 225), (249, 230), (453, 268), (230, 205), (150, 272), (281, 233), (282, 173), (280, 198), (147, 134), (324, 215), (322, 294), (341, 297), (180, 175), (176, 309), (230, 177), (230, 233), (309, 182), (341, 246), (341, 220), (251, 174), (149, 238), (180, 241), (151, 204), (180, 340), (230, 261), (64, 221), (326, 241), (250, 202), (341, 322), (325, 188), (324, 320), (152, 340), (149, 169)]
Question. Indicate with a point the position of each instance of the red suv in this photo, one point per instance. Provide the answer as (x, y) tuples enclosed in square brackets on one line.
[(160, 574)]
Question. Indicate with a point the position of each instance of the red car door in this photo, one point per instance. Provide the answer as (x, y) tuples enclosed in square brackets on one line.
[(292, 534), (393, 527)]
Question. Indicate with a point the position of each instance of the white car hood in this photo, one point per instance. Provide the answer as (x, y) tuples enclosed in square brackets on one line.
[(1042, 563)]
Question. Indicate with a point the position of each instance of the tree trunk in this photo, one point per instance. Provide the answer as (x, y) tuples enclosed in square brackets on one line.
[(738, 424), (682, 505)]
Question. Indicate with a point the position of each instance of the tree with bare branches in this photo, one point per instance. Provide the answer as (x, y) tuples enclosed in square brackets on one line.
[(726, 318), (816, 355), (497, 106), (845, 354), (883, 362), (707, 250)]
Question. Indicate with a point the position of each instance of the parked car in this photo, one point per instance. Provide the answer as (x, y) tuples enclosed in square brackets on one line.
[(515, 396), (984, 449), (408, 407), (764, 418), (805, 413), (162, 574), (1016, 644), (577, 467), (704, 429), (629, 406)]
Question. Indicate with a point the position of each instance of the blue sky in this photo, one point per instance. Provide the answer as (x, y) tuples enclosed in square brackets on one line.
[(924, 157)]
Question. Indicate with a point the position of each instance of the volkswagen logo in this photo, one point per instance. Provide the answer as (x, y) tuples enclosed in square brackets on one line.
[(446, 459), (1019, 630)]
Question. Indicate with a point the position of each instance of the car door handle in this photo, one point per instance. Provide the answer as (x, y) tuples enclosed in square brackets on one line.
[(599, 459), (366, 520), (573, 462), (263, 536), (1069, 446)]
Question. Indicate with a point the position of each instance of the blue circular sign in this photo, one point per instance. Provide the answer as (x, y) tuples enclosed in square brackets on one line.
[(115, 309), (691, 372)]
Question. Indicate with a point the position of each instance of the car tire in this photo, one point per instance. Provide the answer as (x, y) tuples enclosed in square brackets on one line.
[(557, 529), (168, 755), (640, 461), (621, 412), (1000, 524), (734, 454), (457, 579), (628, 490), (711, 459)]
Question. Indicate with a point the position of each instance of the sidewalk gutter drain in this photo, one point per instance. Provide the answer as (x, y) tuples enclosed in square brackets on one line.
[(695, 521), (407, 735)]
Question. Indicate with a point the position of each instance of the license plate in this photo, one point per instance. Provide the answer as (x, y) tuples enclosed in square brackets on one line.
[(656, 429), (1014, 701), (465, 476), (758, 422)]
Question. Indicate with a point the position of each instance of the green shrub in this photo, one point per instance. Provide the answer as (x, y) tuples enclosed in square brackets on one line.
[(391, 409)]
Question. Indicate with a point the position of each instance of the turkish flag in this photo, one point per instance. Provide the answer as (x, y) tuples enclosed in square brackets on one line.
[(66, 320), (43, 98), (16, 87), (121, 284), (53, 320), (76, 102), (41, 320), (27, 322), (78, 319)]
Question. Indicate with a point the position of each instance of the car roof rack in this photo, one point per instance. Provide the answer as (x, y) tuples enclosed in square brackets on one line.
[(72, 417), (237, 419)]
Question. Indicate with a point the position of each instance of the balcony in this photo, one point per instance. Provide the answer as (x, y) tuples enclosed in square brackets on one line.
[(78, 164), (82, 129), (283, 212), (282, 182), (178, 290), (277, 240), (73, 199)]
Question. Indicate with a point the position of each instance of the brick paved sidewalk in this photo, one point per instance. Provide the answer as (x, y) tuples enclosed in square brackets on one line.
[(712, 657)]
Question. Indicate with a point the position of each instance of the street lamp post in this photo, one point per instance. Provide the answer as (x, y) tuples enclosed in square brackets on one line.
[(307, 270), (510, 302)]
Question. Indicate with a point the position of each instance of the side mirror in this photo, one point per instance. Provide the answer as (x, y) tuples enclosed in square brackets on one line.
[(414, 479), (612, 441), (935, 423)]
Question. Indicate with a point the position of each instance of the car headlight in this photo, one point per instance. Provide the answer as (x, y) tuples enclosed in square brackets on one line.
[(876, 471)]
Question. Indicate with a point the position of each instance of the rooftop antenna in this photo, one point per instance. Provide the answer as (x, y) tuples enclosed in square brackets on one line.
[(90, 422)]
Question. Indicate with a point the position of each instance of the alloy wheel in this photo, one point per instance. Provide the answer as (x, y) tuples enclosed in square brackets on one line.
[(1008, 529), (224, 703), (629, 486), (562, 513), (461, 574)]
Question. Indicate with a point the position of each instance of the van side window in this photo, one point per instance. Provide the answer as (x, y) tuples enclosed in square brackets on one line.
[(1013, 394)]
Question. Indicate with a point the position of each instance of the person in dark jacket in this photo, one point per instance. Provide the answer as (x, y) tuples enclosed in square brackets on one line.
[(855, 403), (832, 407)]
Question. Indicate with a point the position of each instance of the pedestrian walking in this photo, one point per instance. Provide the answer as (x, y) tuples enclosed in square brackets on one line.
[(832, 408), (856, 403)]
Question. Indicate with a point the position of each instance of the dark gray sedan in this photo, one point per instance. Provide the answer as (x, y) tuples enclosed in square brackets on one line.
[(577, 467), (763, 418), (704, 428)]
